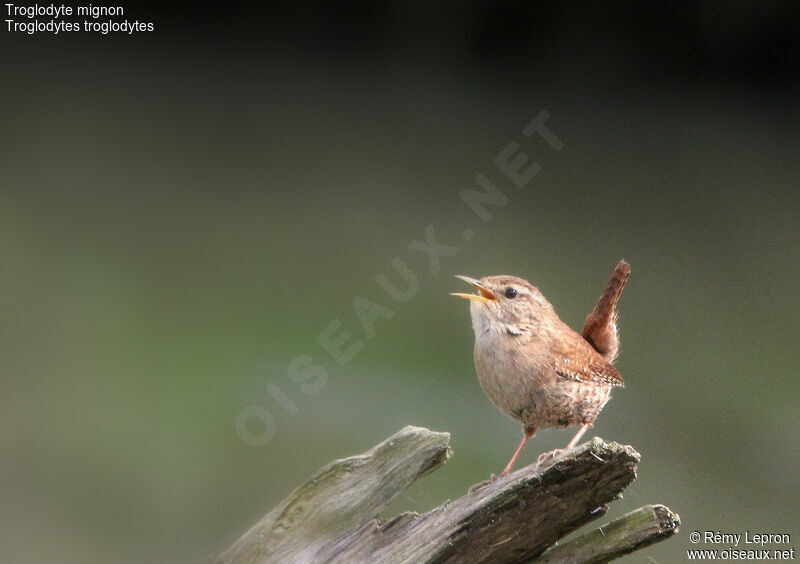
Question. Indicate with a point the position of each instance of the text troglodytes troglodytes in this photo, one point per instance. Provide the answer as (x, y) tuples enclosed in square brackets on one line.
[(532, 366)]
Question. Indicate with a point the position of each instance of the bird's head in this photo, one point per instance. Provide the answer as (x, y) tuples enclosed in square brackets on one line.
[(506, 304)]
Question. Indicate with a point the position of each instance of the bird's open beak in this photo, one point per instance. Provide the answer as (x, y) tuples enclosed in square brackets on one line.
[(484, 295)]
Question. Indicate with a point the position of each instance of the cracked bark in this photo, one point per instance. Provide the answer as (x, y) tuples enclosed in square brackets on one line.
[(333, 517)]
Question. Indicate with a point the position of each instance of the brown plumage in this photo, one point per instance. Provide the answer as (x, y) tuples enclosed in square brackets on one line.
[(535, 368), (600, 328)]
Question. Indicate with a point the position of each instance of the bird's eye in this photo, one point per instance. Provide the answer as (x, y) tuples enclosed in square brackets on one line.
[(511, 293)]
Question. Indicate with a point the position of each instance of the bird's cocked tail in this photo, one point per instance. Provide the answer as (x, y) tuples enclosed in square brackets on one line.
[(600, 328)]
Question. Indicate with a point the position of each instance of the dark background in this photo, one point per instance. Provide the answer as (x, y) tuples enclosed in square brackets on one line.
[(182, 213)]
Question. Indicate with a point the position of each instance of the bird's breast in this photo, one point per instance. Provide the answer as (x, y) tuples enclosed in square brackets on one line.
[(508, 373)]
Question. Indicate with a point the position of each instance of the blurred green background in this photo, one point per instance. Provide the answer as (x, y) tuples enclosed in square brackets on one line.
[(182, 214)]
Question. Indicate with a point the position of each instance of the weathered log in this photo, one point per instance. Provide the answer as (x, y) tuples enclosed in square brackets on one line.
[(333, 517), (637, 529)]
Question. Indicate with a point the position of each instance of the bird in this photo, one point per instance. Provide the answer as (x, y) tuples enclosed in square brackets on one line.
[(536, 369)]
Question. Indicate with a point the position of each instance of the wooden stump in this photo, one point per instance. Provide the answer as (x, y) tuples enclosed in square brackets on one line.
[(333, 517)]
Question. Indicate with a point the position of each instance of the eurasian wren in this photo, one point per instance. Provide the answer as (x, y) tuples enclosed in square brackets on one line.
[(535, 368)]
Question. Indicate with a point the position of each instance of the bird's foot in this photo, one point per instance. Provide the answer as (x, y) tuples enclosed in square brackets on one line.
[(550, 456), (479, 485)]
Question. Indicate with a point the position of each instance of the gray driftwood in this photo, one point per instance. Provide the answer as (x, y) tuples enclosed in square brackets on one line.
[(333, 517)]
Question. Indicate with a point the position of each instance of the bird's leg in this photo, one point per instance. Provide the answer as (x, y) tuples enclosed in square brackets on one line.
[(578, 435), (527, 433), (545, 456)]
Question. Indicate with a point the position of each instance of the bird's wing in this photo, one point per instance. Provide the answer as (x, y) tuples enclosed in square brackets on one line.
[(594, 373), (600, 328), (576, 360)]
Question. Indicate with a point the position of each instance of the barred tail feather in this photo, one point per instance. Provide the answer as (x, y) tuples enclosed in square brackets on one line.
[(600, 328)]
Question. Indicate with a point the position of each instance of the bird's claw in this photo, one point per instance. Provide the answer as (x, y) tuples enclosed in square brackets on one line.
[(479, 485), (549, 456)]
